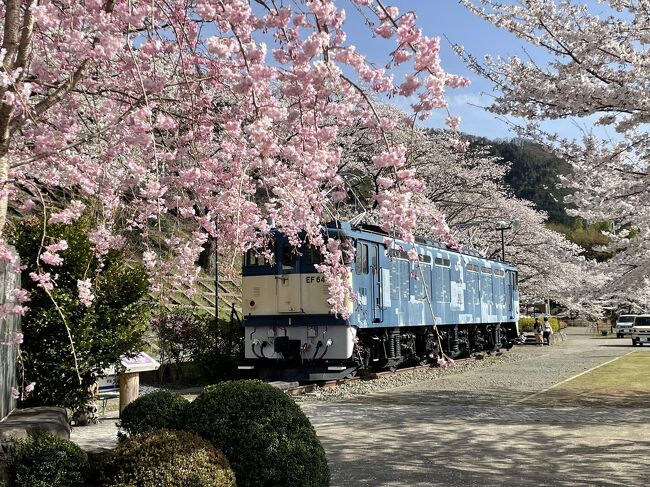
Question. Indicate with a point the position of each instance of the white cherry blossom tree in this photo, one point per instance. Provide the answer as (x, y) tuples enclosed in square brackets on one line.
[(588, 61)]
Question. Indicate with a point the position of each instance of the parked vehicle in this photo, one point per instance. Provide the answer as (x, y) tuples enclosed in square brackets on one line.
[(641, 330), (405, 310), (624, 325)]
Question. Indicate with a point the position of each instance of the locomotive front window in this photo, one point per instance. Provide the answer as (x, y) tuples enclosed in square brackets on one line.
[(398, 254), (313, 255), (255, 259), (287, 256)]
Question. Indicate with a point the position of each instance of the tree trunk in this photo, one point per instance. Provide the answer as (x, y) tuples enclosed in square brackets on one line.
[(208, 256)]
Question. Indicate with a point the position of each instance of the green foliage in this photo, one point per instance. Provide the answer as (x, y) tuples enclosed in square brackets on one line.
[(166, 458), (533, 175), (526, 323), (45, 460), (112, 326), (157, 410), (263, 433), (588, 237), (219, 345), (185, 335)]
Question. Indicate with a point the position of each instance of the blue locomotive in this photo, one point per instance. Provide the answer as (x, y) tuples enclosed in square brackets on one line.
[(404, 311)]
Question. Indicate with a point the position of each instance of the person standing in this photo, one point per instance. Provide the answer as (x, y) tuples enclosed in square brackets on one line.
[(538, 332), (547, 331)]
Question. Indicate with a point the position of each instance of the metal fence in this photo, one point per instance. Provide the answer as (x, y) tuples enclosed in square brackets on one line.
[(9, 338)]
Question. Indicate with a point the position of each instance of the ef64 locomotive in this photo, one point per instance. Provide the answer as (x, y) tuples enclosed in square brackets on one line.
[(404, 311)]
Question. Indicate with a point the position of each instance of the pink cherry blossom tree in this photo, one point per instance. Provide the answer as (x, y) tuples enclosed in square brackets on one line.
[(174, 120)]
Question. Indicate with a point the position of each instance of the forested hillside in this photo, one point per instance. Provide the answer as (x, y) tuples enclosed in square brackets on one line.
[(533, 175)]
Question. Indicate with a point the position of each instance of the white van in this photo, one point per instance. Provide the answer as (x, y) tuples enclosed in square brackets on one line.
[(640, 330), (624, 325)]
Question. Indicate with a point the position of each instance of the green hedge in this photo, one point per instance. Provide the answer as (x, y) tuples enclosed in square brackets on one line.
[(166, 458), (526, 323), (45, 460), (157, 410), (264, 434)]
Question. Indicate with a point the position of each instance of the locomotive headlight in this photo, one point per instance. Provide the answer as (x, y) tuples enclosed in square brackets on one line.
[(251, 303)]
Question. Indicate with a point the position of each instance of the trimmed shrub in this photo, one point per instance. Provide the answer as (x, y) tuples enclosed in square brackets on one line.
[(263, 433), (45, 460), (166, 458), (157, 410)]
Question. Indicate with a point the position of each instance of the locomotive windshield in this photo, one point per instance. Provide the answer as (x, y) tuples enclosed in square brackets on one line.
[(255, 259), (287, 256), (312, 256)]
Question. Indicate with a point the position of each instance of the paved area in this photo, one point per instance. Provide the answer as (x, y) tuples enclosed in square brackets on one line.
[(103, 435), (476, 428)]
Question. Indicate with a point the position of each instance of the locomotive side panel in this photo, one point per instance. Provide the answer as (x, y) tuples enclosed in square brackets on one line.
[(287, 318)]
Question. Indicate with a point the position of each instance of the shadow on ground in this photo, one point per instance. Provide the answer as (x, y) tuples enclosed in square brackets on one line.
[(460, 438)]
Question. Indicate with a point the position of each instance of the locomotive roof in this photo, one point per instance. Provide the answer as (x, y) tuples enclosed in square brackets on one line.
[(374, 230)]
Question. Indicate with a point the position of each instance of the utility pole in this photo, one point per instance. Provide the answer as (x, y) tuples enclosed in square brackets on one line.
[(503, 226)]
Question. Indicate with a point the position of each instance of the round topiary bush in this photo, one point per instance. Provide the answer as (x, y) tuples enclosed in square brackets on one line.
[(157, 410), (45, 460), (263, 433), (166, 458)]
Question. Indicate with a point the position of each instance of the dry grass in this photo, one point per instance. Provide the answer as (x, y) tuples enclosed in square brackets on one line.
[(623, 383)]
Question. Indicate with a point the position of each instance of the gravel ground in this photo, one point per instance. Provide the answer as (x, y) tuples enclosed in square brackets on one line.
[(363, 387)]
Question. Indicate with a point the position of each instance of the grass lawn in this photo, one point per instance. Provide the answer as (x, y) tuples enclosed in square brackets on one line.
[(624, 382)]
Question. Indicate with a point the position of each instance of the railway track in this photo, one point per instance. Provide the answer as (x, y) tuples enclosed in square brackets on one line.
[(301, 389)]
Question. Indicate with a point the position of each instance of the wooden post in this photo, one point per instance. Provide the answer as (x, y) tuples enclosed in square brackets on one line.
[(129, 388)]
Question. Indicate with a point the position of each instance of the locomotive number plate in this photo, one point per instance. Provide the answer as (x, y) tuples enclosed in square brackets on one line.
[(310, 279)]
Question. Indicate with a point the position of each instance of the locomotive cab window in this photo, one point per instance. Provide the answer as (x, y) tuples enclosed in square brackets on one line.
[(313, 256), (512, 280), (361, 264), (255, 259), (288, 256)]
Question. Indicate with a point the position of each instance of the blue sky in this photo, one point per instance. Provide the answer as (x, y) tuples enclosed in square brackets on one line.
[(446, 18)]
